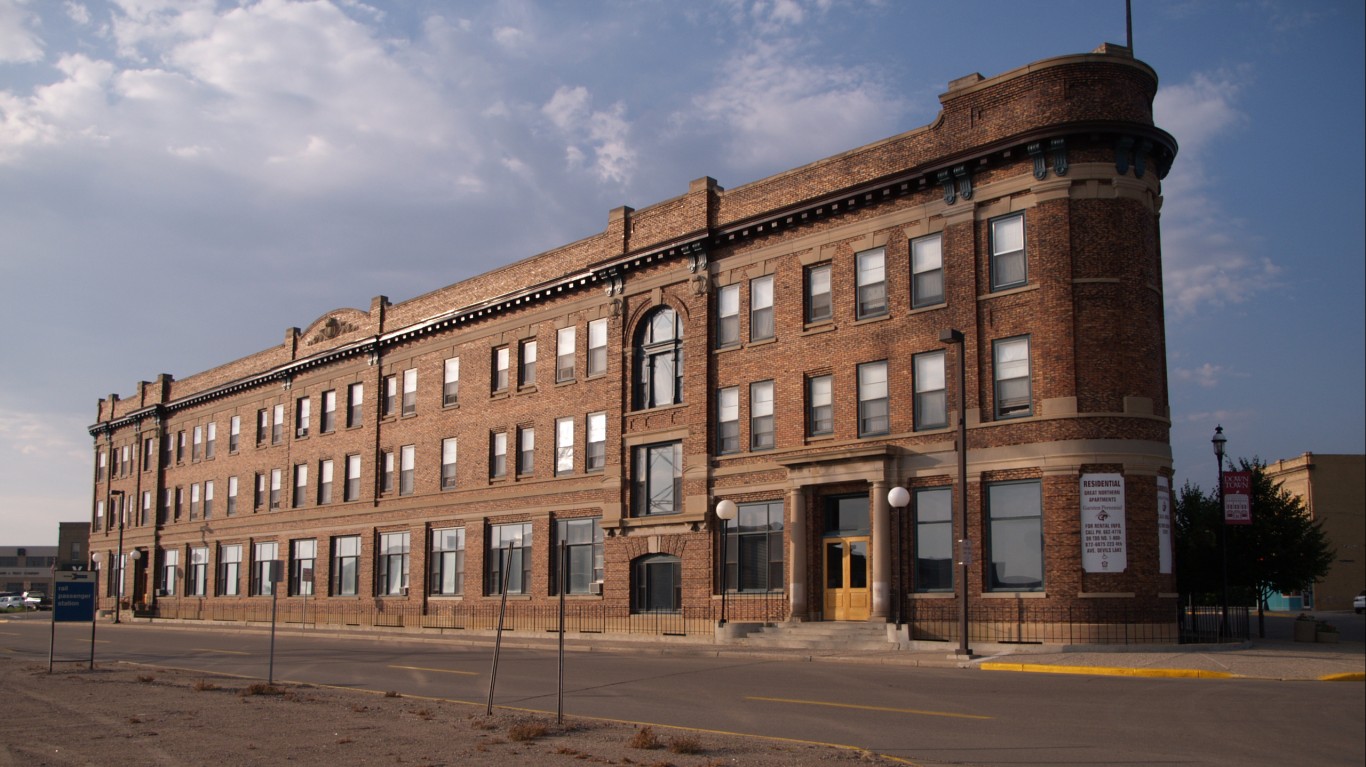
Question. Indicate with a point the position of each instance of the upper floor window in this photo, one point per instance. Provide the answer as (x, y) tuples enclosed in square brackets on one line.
[(526, 453), (210, 439), (1011, 363), (659, 359), (300, 485), (197, 443), (386, 482), (565, 341), (728, 316), (351, 491), (728, 420), (820, 405), (329, 420), (262, 426), (498, 454), (450, 385), (303, 414), (389, 405), (325, 481), (410, 391), (448, 457), (597, 347), (564, 446), (657, 480), (355, 395), (277, 425), (526, 372), (1008, 266), (931, 407), (596, 457), (927, 271), (874, 416), (761, 428), (407, 465), (761, 308), (872, 283), (501, 361), (234, 433), (818, 300)]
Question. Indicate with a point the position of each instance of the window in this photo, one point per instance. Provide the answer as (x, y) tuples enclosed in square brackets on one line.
[(728, 316), (526, 452), (657, 584), (163, 516), (392, 568), (659, 360), (509, 553), (146, 513), (179, 453), (325, 481), (148, 453), (303, 414), (500, 369), (194, 501), (387, 476), (265, 561), (657, 482), (450, 386), (564, 354), (818, 301), (208, 500), (1008, 266), (872, 283), (300, 485), (390, 404), (100, 466), (197, 577), (597, 347), (448, 456), (1015, 535), (761, 308), (170, 572), (1011, 361), (498, 454), (197, 443), (355, 395), (262, 426), (448, 562), (761, 429), (346, 566), (933, 539), (596, 457), (754, 548), (410, 391), (229, 570), (931, 404), (820, 405), (526, 372), (260, 491), (407, 463), (564, 446), (276, 487), (302, 555), (234, 433), (728, 420), (352, 491), (873, 413), (583, 554), (927, 271), (232, 496), (277, 425), (210, 438), (329, 422)]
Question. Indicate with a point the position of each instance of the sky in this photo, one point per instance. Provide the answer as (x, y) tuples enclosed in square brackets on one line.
[(181, 181)]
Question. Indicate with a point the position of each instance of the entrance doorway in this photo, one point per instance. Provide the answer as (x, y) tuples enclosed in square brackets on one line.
[(846, 578)]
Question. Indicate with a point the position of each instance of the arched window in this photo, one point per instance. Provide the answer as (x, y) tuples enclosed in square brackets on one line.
[(659, 360), (657, 584)]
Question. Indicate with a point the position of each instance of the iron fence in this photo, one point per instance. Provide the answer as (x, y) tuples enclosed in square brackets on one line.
[(1018, 622)]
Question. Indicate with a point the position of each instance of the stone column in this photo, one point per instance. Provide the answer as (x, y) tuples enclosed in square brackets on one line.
[(796, 553), (882, 551)]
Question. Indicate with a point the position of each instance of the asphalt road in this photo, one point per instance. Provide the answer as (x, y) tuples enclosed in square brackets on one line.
[(922, 715)]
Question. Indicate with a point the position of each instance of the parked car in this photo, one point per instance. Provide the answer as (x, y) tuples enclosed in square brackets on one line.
[(9, 601), (1359, 602), (36, 600)]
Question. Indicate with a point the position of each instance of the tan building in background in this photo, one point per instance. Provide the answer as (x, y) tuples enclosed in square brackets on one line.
[(1333, 488)]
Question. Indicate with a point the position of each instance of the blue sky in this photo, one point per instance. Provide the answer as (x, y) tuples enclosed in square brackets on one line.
[(181, 181)]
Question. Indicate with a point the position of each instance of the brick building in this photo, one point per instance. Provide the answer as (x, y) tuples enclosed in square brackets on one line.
[(775, 345)]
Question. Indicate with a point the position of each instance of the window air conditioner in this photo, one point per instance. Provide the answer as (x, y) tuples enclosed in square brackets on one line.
[(595, 588)]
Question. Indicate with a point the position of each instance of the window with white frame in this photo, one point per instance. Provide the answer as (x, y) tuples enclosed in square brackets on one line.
[(659, 360), (754, 548), (1015, 536), (195, 501), (389, 405), (146, 513), (410, 391), (931, 403), (871, 280), (728, 316), (526, 450), (303, 554), (148, 453), (179, 453), (448, 465), (391, 571), (526, 372), (820, 405), (874, 415), (352, 491), (447, 563), (508, 556), (329, 420), (498, 454), (325, 481), (277, 425), (265, 558), (355, 397), (597, 347), (229, 570), (596, 454), (259, 499), (728, 420), (761, 308), (1011, 364), (346, 565), (761, 425), (583, 559), (407, 466), (197, 576), (657, 480), (197, 444), (300, 485), (565, 341), (933, 539), (231, 509), (263, 428), (927, 271), (210, 438), (234, 433), (101, 465), (564, 446), (303, 414), (450, 386), (208, 500), (1008, 266), (387, 472), (819, 305), (276, 487), (170, 572), (501, 361)]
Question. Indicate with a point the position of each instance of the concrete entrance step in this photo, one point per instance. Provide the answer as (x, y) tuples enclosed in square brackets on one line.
[(831, 636)]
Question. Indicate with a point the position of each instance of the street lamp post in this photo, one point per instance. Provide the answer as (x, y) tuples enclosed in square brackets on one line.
[(956, 338), (725, 511), (899, 498), (118, 599), (1219, 441)]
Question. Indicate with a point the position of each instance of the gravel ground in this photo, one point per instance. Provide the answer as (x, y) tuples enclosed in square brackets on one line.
[(128, 714)]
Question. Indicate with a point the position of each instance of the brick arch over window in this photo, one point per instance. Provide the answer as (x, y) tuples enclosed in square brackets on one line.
[(658, 359)]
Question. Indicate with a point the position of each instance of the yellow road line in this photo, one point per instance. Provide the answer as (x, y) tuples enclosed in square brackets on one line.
[(1171, 673), (438, 670), (868, 708), (1354, 676), (225, 652)]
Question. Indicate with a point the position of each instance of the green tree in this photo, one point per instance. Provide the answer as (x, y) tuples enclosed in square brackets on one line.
[(1282, 550)]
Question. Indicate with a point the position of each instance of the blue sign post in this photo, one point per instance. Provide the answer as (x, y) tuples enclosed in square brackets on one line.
[(73, 601)]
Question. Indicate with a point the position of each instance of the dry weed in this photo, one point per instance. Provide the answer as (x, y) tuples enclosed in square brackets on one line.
[(526, 731), (204, 685), (645, 738), (685, 744)]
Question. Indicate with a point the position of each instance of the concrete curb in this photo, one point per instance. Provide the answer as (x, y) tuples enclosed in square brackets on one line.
[(1170, 673)]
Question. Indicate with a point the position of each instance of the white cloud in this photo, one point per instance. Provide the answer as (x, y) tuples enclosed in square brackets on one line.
[(1206, 376), (42, 436), (606, 133), (19, 42), (1209, 258), (77, 12)]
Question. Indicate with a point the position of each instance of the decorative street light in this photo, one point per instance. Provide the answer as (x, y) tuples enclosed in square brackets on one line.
[(956, 338), (899, 498), (118, 600), (1218, 441), (725, 511)]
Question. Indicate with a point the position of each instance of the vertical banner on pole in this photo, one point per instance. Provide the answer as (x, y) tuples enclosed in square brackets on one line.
[(1164, 525), (1103, 538), (1237, 497)]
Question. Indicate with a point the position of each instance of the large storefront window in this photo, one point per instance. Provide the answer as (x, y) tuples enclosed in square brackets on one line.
[(933, 539), (754, 548), (1015, 533), (510, 544)]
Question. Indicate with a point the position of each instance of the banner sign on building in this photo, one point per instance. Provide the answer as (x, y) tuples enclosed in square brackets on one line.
[(1103, 548), (1237, 497), (1164, 525)]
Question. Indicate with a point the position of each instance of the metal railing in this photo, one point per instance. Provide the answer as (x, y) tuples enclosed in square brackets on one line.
[(1018, 622)]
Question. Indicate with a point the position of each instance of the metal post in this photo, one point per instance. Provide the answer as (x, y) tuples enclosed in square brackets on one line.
[(274, 601), (1218, 441), (564, 581), (725, 528), (498, 635), (123, 565), (957, 338)]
